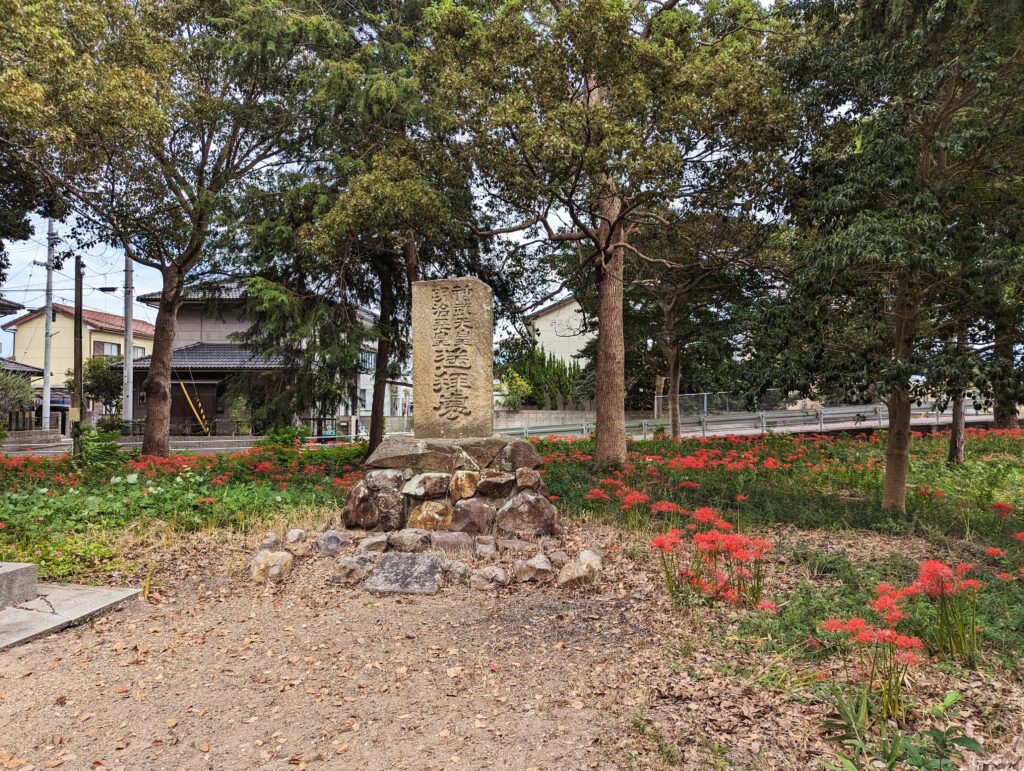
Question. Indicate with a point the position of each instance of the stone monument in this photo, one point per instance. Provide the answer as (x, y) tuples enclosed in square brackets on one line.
[(454, 473)]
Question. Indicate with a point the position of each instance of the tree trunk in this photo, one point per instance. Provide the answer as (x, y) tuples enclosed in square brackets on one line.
[(156, 438), (673, 391), (1004, 407), (897, 448), (610, 424), (956, 432), (380, 370)]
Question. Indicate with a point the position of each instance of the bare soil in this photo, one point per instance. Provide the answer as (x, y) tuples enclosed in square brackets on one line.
[(213, 672)]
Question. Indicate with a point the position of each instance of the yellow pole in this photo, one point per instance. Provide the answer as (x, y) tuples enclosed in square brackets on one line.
[(202, 423)]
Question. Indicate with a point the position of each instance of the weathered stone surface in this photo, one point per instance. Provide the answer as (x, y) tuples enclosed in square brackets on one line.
[(405, 452), (373, 543), (353, 569), (384, 479), (270, 542), (516, 546), (518, 453), (529, 479), (490, 577), (17, 583), (430, 484), (390, 505), (300, 549), (537, 568), (463, 485), (473, 515), (454, 572), (487, 540), (330, 542), (486, 551), (495, 484), (410, 539), (452, 356), (271, 566), (403, 573), (580, 572), (484, 451), (453, 544), (296, 535), (360, 510), (558, 558), (528, 514), (430, 515)]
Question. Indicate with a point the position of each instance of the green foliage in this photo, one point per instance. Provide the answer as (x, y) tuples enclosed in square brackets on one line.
[(15, 394), (100, 381), (550, 383), (514, 389)]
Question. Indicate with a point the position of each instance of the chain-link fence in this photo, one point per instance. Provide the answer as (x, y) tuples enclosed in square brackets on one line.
[(721, 403)]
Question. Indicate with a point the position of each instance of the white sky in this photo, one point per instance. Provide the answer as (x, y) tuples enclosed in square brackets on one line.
[(104, 266)]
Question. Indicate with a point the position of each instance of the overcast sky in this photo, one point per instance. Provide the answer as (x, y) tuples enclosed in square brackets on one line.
[(104, 266)]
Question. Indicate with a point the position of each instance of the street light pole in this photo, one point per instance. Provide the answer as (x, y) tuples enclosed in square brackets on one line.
[(76, 394), (51, 239), (127, 380)]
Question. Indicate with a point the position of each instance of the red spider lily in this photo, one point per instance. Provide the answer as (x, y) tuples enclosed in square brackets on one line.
[(596, 494), (1003, 510), (995, 551), (741, 497), (634, 498), (665, 507), (206, 500), (1019, 536), (689, 485)]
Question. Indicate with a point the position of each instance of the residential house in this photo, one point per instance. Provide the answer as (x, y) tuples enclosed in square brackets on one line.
[(558, 329), (207, 357), (102, 335)]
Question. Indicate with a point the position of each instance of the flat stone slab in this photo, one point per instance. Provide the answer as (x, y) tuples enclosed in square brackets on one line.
[(56, 608), (405, 573), (17, 583)]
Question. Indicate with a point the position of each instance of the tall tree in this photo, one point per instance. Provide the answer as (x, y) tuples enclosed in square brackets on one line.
[(588, 118)]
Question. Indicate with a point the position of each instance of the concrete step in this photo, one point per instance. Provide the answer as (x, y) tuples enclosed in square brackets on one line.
[(17, 583), (55, 608)]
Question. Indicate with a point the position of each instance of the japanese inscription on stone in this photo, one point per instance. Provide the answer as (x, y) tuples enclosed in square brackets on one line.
[(452, 358)]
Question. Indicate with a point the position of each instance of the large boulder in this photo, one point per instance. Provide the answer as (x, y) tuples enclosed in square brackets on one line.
[(430, 484), (406, 452), (484, 451), (398, 573), (373, 543), (430, 515), (518, 453), (360, 510), (537, 568), (473, 515), (272, 566), (495, 484), (529, 479), (463, 485), (390, 504), (528, 514)]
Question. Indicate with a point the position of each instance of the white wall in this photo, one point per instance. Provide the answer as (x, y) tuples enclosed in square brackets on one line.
[(559, 332)]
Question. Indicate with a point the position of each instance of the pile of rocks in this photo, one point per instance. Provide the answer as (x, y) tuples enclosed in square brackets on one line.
[(418, 561), (476, 486)]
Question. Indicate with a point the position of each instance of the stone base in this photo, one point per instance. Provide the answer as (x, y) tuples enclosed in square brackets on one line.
[(480, 486)]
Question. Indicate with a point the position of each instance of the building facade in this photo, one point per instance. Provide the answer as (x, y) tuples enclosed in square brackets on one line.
[(558, 328)]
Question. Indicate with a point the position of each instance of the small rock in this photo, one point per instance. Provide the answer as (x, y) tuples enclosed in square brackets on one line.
[(430, 515), (360, 510), (330, 542), (453, 544), (485, 539), (463, 485), (473, 515), (390, 506), (580, 572), (528, 514), (488, 578), (398, 573), (384, 479), (486, 551), (517, 454), (300, 549), (537, 568), (454, 572), (558, 558), (495, 484), (427, 485), (270, 542), (517, 547), (271, 566), (529, 479), (353, 569), (373, 543), (297, 535), (410, 539)]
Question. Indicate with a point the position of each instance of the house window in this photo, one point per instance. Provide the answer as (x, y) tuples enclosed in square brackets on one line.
[(138, 351), (100, 348), (367, 361)]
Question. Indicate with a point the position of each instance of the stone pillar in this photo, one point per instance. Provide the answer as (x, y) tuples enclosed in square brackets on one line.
[(452, 359)]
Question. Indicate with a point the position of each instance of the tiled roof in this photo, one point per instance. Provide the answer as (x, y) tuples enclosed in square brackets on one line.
[(107, 322), (214, 356), (228, 290), (7, 365), (9, 306)]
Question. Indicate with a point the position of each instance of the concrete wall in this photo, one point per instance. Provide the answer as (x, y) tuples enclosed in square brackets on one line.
[(559, 332), (208, 324)]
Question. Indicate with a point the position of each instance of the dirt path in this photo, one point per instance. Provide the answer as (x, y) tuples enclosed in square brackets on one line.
[(310, 675)]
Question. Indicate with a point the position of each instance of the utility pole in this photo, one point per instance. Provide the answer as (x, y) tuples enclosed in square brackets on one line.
[(51, 239), (127, 380), (76, 396)]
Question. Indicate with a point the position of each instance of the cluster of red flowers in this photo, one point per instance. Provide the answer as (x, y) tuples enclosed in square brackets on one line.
[(861, 632)]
